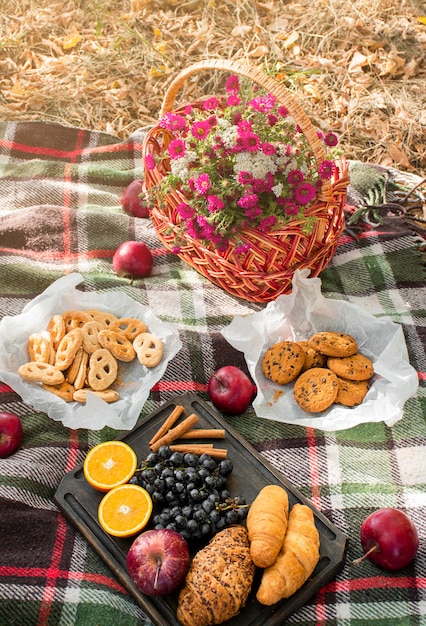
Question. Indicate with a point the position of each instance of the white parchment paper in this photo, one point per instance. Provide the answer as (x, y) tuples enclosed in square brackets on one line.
[(136, 380), (298, 315)]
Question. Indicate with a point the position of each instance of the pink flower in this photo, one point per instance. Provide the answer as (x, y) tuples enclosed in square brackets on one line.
[(232, 84), (244, 178), (248, 200), (210, 104), (233, 100), (282, 111), (202, 184), (206, 229), (295, 177), (259, 185), (150, 162), (291, 208), (267, 223), (331, 140), (177, 149), (212, 121), (184, 210), (244, 127), (272, 119), (326, 169), (242, 248), (173, 122), (304, 193), (214, 203), (263, 103), (268, 148), (200, 130), (251, 142)]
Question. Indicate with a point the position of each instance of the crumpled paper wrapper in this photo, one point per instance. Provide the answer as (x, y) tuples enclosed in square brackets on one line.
[(304, 312), (135, 379)]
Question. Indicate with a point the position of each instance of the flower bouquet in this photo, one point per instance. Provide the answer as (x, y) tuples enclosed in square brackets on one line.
[(241, 186)]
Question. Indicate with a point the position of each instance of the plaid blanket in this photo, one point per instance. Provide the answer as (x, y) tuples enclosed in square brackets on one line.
[(59, 213)]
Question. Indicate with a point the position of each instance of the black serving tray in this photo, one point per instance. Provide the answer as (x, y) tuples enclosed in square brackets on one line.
[(79, 502)]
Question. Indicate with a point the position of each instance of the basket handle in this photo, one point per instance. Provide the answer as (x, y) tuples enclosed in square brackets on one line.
[(282, 94)]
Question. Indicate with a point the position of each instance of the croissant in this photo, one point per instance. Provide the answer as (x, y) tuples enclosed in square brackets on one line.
[(267, 524), (296, 561), (218, 581)]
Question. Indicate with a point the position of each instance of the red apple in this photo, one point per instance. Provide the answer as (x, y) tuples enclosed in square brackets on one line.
[(132, 200), (389, 539), (133, 259), (230, 390), (158, 561), (10, 433)]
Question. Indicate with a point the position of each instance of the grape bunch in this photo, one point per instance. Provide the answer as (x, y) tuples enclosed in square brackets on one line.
[(189, 493)]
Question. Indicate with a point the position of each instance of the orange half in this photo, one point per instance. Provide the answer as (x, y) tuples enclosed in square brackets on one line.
[(125, 510), (109, 464)]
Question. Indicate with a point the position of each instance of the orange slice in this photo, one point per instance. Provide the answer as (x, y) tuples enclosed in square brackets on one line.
[(109, 464), (125, 510)]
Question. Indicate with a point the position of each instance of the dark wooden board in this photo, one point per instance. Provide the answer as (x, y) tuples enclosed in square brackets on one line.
[(79, 502)]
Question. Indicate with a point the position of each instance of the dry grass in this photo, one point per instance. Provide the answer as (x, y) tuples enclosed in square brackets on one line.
[(356, 65)]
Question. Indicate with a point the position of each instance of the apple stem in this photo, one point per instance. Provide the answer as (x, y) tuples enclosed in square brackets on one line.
[(367, 554), (219, 380), (157, 572)]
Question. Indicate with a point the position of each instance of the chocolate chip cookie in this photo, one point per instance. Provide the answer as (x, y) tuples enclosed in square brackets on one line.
[(316, 389), (283, 362), (333, 343), (351, 392), (356, 367)]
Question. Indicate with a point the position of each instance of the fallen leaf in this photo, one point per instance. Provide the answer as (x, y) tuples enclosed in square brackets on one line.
[(71, 41), (240, 30), (291, 39), (399, 156), (422, 19), (360, 60), (17, 89), (259, 51)]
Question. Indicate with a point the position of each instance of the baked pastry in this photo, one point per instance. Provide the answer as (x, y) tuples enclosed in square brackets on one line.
[(267, 524), (218, 581), (296, 561)]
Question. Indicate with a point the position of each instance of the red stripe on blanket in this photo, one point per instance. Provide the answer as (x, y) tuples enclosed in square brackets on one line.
[(374, 582), (313, 467), (73, 256), (68, 154), (59, 574), (52, 572)]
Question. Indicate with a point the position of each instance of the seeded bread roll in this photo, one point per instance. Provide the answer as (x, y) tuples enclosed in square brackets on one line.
[(219, 580)]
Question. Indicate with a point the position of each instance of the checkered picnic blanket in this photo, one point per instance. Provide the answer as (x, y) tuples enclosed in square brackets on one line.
[(60, 213)]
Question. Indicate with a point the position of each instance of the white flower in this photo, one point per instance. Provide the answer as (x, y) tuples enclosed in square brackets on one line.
[(256, 163), (229, 136), (180, 167), (277, 190)]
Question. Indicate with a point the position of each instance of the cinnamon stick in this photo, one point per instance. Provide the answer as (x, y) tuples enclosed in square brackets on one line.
[(175, 433), (215, 453), (204, 433), (168, 423)]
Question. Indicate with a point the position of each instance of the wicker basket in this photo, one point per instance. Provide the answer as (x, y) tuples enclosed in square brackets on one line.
[(266, 271)]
